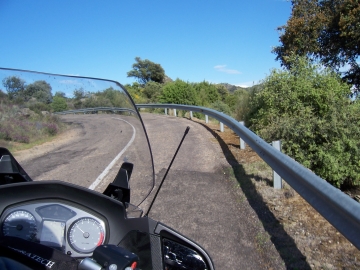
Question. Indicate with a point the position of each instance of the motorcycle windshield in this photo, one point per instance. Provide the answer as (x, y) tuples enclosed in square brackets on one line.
[(74, 129)]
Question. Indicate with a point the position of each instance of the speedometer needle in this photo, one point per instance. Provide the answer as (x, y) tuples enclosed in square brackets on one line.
[(80, 229)]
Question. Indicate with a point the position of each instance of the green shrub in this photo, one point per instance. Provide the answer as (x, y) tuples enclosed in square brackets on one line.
[(309, 109), (179, 92), (221, 107), (38, 107)]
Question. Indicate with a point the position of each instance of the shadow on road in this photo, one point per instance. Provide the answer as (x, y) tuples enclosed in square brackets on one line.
[(284, 243)]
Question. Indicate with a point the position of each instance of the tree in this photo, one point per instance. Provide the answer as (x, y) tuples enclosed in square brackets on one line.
[(308, 108), (15, 86), (135, 91), (145, 71), (179, 92), (208, 93), (59, 104), (324, 30), (152, 91), (223, 92), (41, 90), (80, 93), (60, 94)]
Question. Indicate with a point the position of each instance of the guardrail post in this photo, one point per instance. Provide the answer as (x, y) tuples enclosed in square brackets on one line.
[(206, 119), (221, 127), (175, 112), (165, 111), (191, 115), (276, 178), (242, 143)]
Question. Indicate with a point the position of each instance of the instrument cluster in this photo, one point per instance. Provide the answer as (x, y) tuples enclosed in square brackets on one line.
[(70, 229)]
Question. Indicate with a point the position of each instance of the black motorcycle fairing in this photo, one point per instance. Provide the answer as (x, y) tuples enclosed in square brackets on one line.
[(112, 211), (10, 169), (34, 255)]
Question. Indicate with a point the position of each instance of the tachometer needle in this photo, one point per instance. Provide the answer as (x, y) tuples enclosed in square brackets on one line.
[(80, 229)]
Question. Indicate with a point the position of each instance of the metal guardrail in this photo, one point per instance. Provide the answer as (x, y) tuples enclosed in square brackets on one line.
[(338, 208), (95, 110)]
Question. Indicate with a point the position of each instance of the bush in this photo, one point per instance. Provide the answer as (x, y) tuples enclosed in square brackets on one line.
[(179, 92), (221, 107), (152, 91), (21, 128), (309, 109), (59, 104), (38, 107)]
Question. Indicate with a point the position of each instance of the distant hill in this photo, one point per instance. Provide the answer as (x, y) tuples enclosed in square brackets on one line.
[(232, 88)]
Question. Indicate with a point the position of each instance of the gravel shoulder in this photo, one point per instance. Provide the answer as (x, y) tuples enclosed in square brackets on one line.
[(302, 237)]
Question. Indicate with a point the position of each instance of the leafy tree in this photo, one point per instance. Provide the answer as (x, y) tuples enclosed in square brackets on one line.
[(97, 101), (59, 104), (152, 91), (309, 109), (242, 106), (15, 86), (179, 92), (223, 92), (114, 98), (41, 90), (221, 107), (79, 96), (60, 94), (80, 93), (145, 71), (208, 93), (325, 30), (136, 92)]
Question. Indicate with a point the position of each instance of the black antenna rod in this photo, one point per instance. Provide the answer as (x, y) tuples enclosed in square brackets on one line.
[(162, 181)]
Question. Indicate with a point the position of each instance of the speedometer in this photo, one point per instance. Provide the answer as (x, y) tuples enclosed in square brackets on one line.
[(20, 224), (85, 234)]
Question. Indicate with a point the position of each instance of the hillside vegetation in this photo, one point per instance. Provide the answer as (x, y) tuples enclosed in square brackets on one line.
[(308, 107)]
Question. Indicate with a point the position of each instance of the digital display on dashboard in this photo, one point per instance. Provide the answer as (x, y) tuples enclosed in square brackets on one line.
[(53, 233)]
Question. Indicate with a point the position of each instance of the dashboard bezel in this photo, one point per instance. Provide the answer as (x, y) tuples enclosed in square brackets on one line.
[(110, 211), (80, 212)]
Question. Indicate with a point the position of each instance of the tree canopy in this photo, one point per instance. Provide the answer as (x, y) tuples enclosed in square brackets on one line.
[(17, 89), (179, 92), (145, 71), (14, 86), (324, 30), (41, 90)]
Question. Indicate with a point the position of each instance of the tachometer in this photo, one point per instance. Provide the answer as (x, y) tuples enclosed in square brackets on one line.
[(20, 224), (85, 234)]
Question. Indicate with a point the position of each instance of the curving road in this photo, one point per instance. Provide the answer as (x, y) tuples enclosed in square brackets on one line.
[(197, 197)]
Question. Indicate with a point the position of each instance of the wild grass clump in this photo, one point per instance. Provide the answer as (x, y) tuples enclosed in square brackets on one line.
[(25, 126)]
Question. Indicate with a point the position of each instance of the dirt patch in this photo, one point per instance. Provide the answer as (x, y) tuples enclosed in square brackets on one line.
[(322, 246)]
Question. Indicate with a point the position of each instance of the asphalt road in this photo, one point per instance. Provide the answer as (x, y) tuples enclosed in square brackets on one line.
[(100, 139), (197, 198)]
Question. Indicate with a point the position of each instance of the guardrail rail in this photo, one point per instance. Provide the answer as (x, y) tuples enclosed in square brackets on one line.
[(338, 208)]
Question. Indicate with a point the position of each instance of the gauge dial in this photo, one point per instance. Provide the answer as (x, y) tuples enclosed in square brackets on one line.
[(85, 235), (20, 224)]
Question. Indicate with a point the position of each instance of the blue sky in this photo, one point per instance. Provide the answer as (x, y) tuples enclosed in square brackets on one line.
[(193, 40)]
